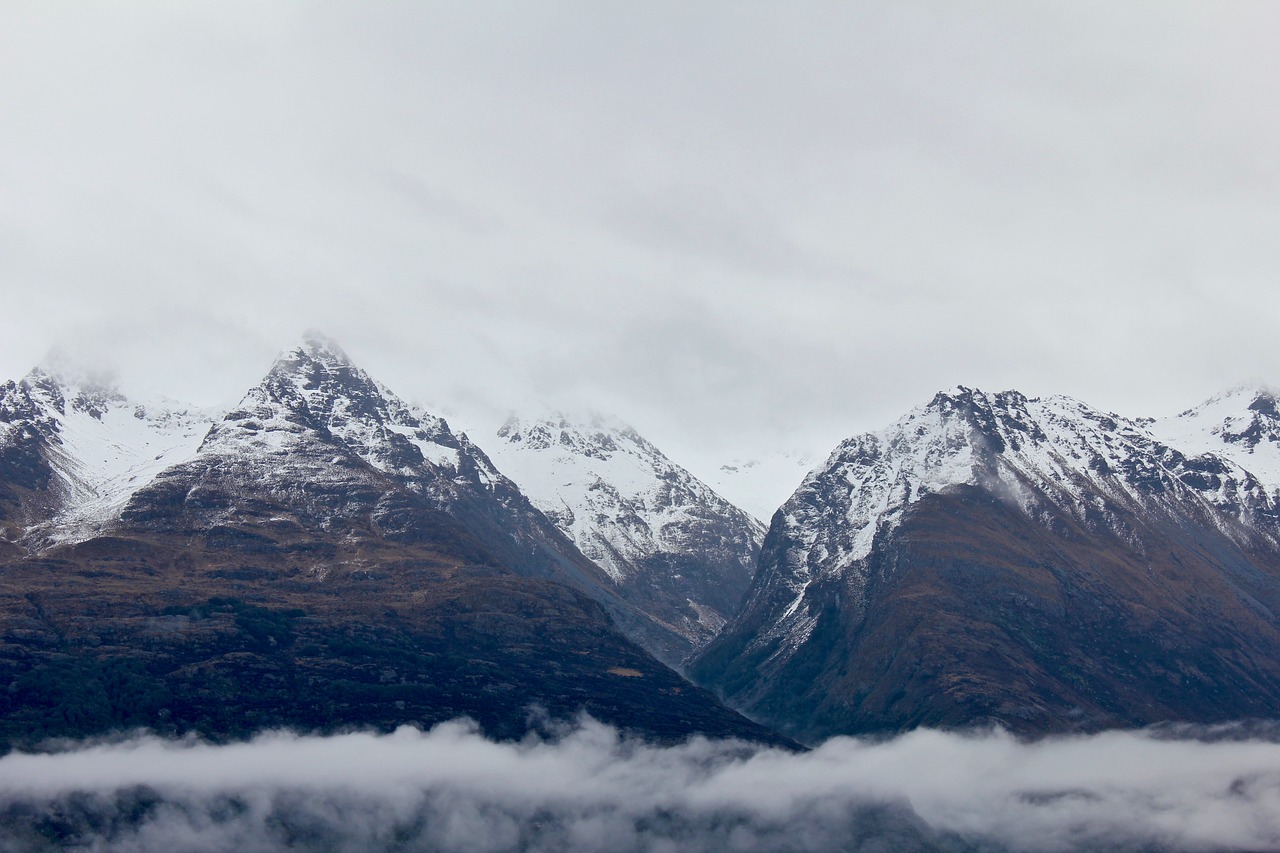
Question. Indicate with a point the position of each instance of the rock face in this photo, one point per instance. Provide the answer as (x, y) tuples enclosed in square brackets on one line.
[(674, 549), (323, 556), (994, 558)]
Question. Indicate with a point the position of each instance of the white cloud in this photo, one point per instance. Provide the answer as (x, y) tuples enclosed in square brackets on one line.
[(590, 789)]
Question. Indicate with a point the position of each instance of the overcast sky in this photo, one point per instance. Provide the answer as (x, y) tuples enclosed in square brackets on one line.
[(733, 224)]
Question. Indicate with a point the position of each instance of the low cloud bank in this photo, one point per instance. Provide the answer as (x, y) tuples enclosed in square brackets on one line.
[(589, 789)]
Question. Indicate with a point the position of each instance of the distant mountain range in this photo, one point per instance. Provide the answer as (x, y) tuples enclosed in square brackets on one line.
[(324, 555), (759, 484)]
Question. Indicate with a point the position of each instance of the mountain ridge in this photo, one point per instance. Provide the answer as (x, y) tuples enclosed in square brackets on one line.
[(326, 556), (896, 511)]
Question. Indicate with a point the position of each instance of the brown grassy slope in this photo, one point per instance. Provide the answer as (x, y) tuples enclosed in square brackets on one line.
[(256, 625)]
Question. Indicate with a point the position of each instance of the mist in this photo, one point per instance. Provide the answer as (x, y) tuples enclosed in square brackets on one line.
[(587, 787)]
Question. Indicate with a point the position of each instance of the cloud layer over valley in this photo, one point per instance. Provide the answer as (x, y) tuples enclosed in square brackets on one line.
[(586, 788)]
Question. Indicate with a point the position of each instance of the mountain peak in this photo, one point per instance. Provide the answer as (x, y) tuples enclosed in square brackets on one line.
[(1241, 424), (675, 549), (315, 354), (319, 346), (319, 372), (1264, 403), (961, 399), (1254, 396)]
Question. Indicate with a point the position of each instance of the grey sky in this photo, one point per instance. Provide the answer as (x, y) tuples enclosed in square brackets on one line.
[(729, 223)]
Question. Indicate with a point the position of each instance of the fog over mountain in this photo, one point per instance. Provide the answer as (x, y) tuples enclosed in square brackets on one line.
[(732, 225), (585, 788)]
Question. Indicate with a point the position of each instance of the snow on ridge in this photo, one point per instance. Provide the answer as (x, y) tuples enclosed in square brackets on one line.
[(1241, 424), (112, 456), (316, 386), (1054, 446), (615, 494)]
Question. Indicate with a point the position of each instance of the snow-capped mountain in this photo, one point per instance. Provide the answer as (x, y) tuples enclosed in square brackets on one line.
[(322, 556), (971, 478), (321, 436), (1041, 455), (317, 435), (84, 449), (1242, 425), (673, 546)]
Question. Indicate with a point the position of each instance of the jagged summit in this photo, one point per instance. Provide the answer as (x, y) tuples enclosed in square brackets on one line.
[(59, 385), (1032, 450), (318, 345), (609, 488), (590, 433), (1254, 397), (317, 372), (315, 388)]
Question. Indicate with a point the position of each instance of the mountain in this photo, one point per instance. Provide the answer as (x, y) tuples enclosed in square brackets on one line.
[(320, 434), (674, 548), (326, 556), (1029, 562)]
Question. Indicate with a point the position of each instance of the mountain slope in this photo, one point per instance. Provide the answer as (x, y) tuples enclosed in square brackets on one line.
[(993, 557), (327, 557), (673, 547)]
